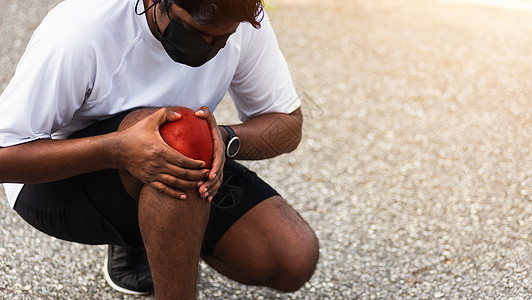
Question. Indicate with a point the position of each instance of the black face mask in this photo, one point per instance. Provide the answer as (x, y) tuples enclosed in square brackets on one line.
[(185, 46)]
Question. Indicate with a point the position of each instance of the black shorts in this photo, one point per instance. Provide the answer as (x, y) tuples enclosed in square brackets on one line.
[(95, 208)]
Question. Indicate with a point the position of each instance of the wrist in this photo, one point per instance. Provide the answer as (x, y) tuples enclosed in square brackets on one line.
[(231, 142), (114, 147), (223, 132)]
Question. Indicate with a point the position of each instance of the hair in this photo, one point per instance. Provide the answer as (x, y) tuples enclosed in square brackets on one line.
[(222, 11)]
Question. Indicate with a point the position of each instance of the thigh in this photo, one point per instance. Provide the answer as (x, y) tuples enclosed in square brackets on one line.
[(92, 208), (88, 209), (270, 239), (240, 191)]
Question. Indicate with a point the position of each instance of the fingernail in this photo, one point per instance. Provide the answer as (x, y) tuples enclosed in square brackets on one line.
[(214, 176), (206, 194), (183, 197), (199, 183), (210, 198), (205, 190)]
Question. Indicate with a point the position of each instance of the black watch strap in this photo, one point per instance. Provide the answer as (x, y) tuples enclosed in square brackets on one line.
[(230, 131)]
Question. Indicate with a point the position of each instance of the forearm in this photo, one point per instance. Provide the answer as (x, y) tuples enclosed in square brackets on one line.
[(268, 135), (48, 160)]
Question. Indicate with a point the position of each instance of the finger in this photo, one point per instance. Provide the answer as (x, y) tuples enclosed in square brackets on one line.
[(210, 187), (215, 177), (217, 141), (161, 116), (205, 113), (209, 193), (187, 174), (206, 192), (218, 151), (168, 191), (218, 159), (178, 183), (166, 114), (175, 158), (210, 196), (178, 165)]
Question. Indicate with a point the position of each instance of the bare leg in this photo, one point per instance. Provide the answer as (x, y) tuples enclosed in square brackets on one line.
[(271, 245), (172, 231)]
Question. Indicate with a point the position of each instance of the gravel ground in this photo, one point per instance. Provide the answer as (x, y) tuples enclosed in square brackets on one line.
[(415, 169)]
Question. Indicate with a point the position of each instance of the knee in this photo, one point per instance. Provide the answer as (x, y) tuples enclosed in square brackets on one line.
[(296, 268)]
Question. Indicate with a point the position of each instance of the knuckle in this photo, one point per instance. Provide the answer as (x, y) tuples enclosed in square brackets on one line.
[(150, 168), (164, 110), (147, 170), (180, 161), (175, 182), (157, 186), (152, 153), (184, 173), (170, 180)]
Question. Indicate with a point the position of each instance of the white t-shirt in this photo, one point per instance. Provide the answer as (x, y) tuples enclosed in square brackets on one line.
[(91, 59)]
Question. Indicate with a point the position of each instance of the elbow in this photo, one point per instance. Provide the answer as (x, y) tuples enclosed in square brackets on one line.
[(295, 124), (297, 115), (294, 142), (287, 144)]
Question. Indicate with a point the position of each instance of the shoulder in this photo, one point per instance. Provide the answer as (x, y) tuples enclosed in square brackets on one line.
[(80, 26), (253, 35), (254, 42)]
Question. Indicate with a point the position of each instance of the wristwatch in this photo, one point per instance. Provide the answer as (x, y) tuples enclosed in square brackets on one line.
[(232, 143)]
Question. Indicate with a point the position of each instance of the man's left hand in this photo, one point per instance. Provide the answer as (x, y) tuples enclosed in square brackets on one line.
[(209, 188)]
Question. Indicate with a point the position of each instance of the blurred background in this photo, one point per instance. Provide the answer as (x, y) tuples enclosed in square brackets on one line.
[(415, 169)]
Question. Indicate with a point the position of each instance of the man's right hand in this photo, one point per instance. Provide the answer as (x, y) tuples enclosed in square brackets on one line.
[(143, 153)]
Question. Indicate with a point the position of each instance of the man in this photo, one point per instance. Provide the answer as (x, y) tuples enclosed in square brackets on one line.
[(83, 160)]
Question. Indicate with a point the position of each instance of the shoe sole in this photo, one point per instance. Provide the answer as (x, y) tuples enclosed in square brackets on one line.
[(114, 285)]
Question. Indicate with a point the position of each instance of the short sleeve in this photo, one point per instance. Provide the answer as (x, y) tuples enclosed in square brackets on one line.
[(262, 82), (50, 83)]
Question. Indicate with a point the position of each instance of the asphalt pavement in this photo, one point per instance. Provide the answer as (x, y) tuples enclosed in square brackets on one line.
[(415, 169)]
